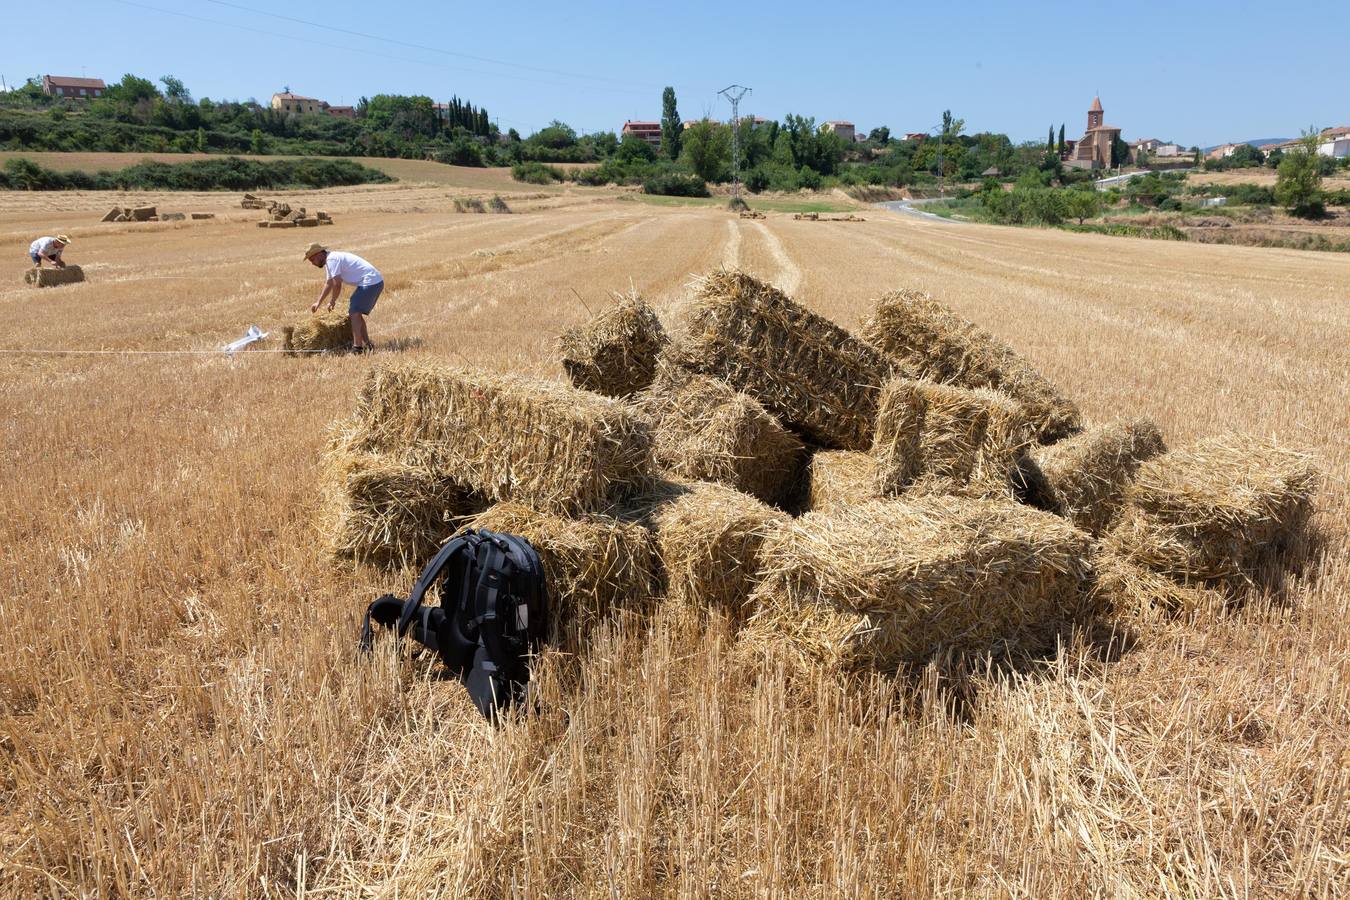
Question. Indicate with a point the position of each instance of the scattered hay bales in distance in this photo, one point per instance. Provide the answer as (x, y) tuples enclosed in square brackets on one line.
[(1215, 512), (201, 215), (615, 353), (592, 564), (498, 205), (891, 582), (706, 431), (811, 374), (469, 205), (113, 215), (556, 448), (917, 331), (143, 213), (377, 509), (51, 277), (173, 217), (707, 537), (841, 478), (327, 332), (1084, 477)]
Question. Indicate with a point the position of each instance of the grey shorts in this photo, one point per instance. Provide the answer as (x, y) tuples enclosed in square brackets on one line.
[(363, 298)]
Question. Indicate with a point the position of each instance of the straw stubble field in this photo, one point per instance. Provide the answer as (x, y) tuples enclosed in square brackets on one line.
[(183, 711)]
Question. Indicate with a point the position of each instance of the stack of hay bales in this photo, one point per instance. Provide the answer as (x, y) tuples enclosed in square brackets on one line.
[(814, 376), (914, 329), (615, 353), (327, 333), (894, 582), (1215, 514), (252, 202), (131, 214), (45, 277), (704, 430), (281, 215)]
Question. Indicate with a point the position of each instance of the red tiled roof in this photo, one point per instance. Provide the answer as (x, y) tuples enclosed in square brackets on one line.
[(63, 81)]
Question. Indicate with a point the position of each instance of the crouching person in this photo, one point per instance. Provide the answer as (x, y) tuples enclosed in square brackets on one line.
[(48, 249), (348, 268)]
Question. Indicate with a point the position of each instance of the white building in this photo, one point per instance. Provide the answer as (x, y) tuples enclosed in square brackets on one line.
[(1334, 142), (1167, 150)]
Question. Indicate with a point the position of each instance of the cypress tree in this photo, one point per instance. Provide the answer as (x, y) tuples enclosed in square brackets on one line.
[(670, 125), (1050, 140), (1061, 139)]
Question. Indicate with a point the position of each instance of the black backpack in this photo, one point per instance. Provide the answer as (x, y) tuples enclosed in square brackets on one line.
[(493, 614)]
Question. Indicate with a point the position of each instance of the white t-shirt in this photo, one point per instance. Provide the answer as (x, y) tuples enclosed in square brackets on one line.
[(43, 247), (352, 269)]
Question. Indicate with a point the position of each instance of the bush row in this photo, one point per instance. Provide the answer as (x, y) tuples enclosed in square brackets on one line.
[(225, 174)]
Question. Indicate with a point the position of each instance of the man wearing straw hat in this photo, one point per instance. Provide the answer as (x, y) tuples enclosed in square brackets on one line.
[(348, 268), (48, 249)]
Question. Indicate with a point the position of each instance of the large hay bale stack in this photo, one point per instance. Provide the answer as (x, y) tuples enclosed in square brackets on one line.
[(841, 478), (1084, 477), (917, 331), (592, 564), (704, 430), (328, 332), (928, 436), (907, 581), (616, 352), (1214, 512), (549, 445), (44, 277), (707, 537), (143, 213), (381, 510), (813, 375)]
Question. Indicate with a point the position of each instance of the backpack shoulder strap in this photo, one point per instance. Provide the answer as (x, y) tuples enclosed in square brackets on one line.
[(429, 575)]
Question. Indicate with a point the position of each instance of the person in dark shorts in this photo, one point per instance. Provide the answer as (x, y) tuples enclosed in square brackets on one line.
[(48, 249), (342, 268)]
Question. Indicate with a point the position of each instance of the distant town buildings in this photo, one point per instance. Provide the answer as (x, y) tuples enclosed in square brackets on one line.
[(1093, 149), (64, 86), (648, 131)]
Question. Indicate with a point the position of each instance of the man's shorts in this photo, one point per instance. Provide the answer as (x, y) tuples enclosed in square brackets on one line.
[(363, 298), (35, 257)]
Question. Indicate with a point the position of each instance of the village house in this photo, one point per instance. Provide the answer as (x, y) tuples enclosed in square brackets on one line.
[(1093, 149), (648, 131), (1334, 142), (63, 86), (843, 130), (342, 112), (294, 103), (1223, 151)]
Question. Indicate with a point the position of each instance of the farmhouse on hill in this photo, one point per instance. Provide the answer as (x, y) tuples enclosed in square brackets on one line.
[(63, 86), (648, 131), (1093, 149), (844, 130), (294, 103)]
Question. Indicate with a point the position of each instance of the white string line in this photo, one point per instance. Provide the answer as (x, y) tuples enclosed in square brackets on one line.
[(77, 352)]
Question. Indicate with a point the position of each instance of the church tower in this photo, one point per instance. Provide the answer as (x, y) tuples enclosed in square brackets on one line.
[(1095, 113)]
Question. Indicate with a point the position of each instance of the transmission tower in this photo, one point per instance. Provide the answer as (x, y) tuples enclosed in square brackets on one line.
[(734, 93)]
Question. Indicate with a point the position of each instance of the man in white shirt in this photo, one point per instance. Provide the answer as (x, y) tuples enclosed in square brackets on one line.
[(348, 268), (48, 249)]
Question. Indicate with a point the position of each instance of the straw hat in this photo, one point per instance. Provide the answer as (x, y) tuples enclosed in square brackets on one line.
[(63, 238), (315, 248)]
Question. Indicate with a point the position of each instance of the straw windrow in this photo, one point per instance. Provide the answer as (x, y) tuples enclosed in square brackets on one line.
[(926, 337), (896, 581), (615, 353), (508, 437), (813, 375), (705, 431)]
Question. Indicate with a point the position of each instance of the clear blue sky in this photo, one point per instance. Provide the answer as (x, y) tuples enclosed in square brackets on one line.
[(1198, 73)]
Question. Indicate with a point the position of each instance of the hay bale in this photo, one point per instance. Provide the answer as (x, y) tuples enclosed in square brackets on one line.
[(1008, 437), (112, 215), (248, 196), (841, 478), (264, 224), (328, 332), (508, 437), (1084, 477), (614, 353), (200, 216), (325, 221), (928, 436), (1215, 512), (172, 217), (281, 224), (917, 331), (380, 510), (307, 222), (53, 277), (592, 565), (907, 581), (143, 213), (708, 538), (811, 374), (705, 431), (1131, 595)]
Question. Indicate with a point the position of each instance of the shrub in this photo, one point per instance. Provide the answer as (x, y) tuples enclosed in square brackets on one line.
[(675, 184), (222, 174), (536, 173)]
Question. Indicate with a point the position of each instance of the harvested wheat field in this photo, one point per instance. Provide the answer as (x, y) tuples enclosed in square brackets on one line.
[(183, 711)]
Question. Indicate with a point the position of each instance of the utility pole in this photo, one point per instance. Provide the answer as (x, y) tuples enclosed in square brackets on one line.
[(734, 93)]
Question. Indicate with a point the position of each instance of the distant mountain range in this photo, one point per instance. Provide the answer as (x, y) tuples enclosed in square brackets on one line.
[(1255, 142)]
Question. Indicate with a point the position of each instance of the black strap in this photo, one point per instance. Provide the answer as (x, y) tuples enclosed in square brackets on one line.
[(429, 576), (385, 610)]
